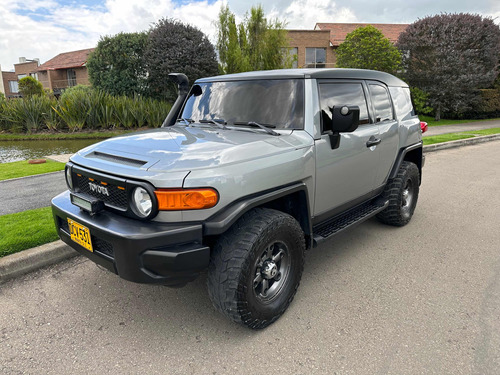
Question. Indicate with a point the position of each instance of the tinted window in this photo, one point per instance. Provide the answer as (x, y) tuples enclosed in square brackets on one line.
[(381, 103), (402, 102), (273, 102), (338, 94)]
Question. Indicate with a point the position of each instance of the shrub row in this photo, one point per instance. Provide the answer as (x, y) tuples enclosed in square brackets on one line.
[(80, 107)]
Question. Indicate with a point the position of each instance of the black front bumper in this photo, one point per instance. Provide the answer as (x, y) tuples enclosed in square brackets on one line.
[(138, 251)]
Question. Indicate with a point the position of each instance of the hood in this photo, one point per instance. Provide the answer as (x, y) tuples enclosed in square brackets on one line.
[(185, 148)]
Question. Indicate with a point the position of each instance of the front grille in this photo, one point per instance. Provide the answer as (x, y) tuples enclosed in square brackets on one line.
[(117, 195)]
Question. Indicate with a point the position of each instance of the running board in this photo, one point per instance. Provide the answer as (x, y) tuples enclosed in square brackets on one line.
[(348, 219)]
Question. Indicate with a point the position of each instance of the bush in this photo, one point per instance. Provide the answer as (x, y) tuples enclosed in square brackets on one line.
[(26, 115), (29, 86), (421, 101)]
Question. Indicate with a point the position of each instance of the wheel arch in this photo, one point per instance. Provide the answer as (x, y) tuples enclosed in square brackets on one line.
[(292, 199), (412, 153)]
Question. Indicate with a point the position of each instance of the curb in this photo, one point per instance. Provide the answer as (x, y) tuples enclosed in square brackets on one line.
[(30, 260), (460, 143)]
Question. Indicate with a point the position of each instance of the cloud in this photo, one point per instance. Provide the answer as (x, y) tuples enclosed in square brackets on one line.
[(45, 28)]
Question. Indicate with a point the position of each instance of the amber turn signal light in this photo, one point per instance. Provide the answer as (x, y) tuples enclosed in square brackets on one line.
[(186, 199)]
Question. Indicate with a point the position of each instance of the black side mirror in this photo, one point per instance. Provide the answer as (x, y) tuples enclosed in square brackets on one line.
[(345, 119)]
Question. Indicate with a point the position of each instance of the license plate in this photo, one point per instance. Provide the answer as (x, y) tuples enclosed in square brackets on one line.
[(80, 234)]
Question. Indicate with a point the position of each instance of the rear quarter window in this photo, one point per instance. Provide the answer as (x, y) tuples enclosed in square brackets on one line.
[(402, 102)]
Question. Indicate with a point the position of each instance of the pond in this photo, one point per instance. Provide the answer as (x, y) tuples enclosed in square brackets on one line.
[(24, 150)]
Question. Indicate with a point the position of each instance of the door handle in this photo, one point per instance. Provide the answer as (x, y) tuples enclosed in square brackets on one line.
[(373, 141)]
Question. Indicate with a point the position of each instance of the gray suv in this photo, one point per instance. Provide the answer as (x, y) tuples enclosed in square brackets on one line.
[(247, 172)]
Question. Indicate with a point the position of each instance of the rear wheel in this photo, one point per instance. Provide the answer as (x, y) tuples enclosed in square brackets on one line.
[(256, 266), (402, 192)]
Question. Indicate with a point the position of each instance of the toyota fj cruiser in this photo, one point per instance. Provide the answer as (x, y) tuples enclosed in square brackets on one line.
[(247, 172)]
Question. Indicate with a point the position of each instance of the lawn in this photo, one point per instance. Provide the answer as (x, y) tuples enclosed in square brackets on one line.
[(61, 136), (456, 136), (25, 230), (22, 169), (431, 122)]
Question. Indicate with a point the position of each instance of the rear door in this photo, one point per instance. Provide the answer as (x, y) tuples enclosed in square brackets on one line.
[(385, 119), (345, 176)]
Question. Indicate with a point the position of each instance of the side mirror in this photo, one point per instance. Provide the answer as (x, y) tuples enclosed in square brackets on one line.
[(345, 119)]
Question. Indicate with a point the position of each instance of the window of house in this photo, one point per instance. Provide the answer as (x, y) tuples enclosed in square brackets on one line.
[(34, 75), (316, 57), (293, 53), (71, 77), (381, 102), (338, 94), (20, 76), (14, 87)]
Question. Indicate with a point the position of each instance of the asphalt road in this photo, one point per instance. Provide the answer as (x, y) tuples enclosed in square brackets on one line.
[(30, 192), (422, 299)]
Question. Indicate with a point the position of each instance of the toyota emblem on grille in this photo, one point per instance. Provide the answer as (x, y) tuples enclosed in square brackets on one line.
[(99, 189)]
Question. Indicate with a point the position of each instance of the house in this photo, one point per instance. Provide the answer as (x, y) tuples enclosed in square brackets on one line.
[(9, 85), (65, 70), (316, 48)]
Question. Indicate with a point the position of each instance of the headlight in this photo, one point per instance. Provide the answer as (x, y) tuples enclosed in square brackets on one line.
[(142, 203), (69, 180)]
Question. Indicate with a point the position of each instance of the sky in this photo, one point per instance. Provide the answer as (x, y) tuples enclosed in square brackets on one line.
[(44, 28)]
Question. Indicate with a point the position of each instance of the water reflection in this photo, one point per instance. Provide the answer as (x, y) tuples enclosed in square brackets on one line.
[(23, 150)]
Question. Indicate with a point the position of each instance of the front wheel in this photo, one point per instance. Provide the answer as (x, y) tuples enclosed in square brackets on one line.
[(255, 267), (402, 192)]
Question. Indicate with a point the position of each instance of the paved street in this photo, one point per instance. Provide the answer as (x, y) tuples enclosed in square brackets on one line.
[(30, 192), (422, 299)]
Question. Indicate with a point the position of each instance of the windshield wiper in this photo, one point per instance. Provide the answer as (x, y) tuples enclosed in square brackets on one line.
[(186, 120), (219, 122), (257, 125)]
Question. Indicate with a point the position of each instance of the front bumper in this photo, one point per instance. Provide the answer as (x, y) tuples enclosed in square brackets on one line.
[(138, 251)]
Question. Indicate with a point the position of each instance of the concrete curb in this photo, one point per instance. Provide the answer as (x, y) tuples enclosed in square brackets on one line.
[(26, 261), (31, 260), (460, 143)]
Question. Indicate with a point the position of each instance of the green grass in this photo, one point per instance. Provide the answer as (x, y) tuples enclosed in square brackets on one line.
[(61, 136), (456, 136), (431, 122), (25, 230), (22, 169)]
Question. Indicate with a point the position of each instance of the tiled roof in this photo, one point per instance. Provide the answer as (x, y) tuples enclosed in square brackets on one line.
[(338, 31), (73, 59)]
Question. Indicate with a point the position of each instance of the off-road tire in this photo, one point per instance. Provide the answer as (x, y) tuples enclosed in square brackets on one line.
[(402, 192), (235, 261)]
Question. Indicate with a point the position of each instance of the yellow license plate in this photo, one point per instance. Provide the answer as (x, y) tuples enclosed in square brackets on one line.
[(80, 234)]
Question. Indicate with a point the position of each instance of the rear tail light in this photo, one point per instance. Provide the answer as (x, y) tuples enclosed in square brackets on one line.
[(423, 126), (186, 199)]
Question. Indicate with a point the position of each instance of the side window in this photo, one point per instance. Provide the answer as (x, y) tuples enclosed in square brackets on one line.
[(402, 102), (335, 94), (381, 102)]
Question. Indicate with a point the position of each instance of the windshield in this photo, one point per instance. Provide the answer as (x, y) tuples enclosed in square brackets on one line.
[(269, 102)]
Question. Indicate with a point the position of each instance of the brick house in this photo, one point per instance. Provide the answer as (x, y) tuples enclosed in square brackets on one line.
[(9, 85), (65, 70), (316, 48)]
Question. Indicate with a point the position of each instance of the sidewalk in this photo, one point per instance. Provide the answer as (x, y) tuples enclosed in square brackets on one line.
[(469, 126)]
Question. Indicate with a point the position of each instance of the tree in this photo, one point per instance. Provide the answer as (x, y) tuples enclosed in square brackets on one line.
[(176, 47), (367, 48), (29, 86), (255, 44), (116, 65), (450, 57)]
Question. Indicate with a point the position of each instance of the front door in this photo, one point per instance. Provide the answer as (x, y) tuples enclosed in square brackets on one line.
[(346, 175)]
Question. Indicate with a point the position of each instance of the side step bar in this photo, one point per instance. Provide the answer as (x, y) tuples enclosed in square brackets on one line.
[(348, 219)]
